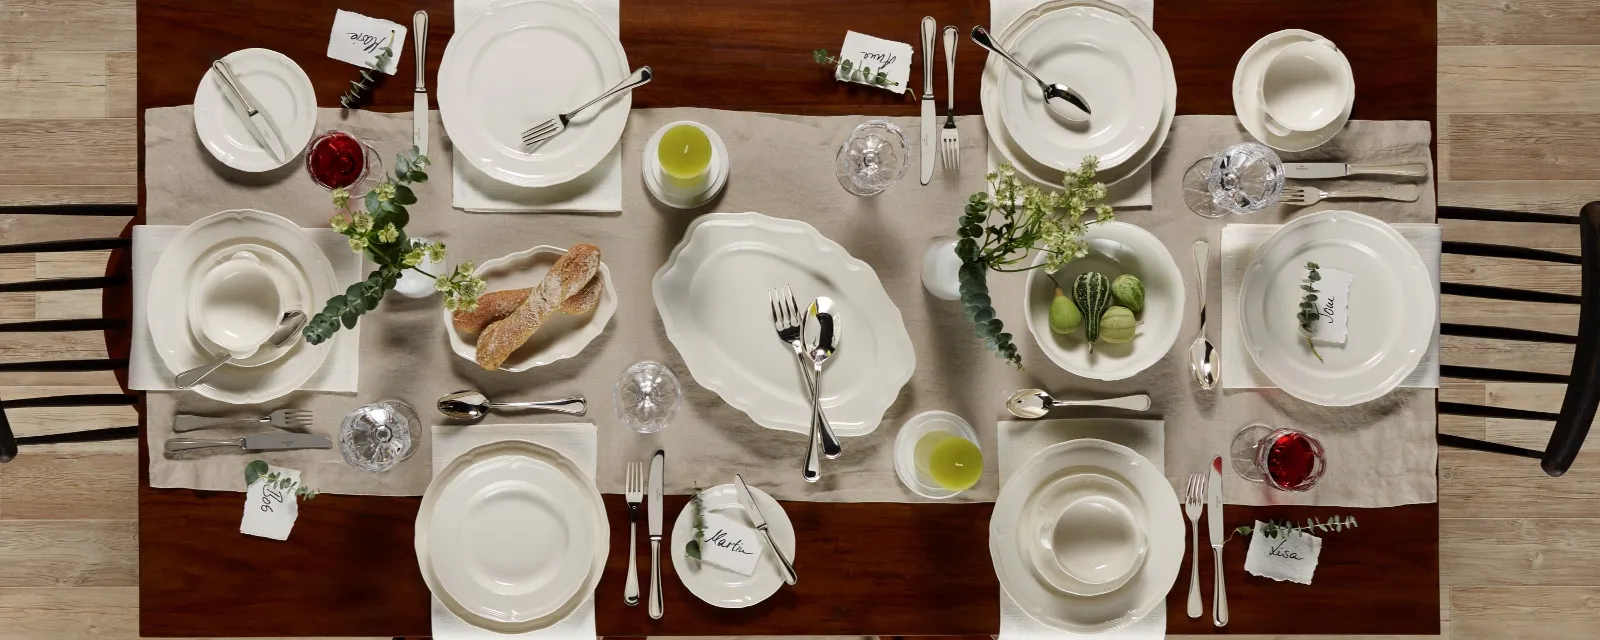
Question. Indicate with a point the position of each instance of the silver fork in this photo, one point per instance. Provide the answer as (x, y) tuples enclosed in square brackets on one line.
[(282, 419), (549, 128), (633, 488), (788, 318), (949, 138), (1306, 196), (1194, 502)]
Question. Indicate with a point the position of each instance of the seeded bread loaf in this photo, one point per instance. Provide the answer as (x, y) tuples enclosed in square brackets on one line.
[(570, 274)]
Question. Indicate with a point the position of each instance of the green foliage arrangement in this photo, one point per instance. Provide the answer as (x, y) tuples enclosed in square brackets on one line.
[(1282, 528), (352, 97), (1307, 315), (258, 469), (697, 523)]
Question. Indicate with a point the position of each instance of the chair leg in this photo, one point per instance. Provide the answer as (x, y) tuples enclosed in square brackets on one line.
[(1459, 442)]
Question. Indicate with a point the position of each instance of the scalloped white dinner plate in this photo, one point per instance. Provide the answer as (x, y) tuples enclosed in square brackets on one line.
[(561, 336), (721, 587), (712, 297)]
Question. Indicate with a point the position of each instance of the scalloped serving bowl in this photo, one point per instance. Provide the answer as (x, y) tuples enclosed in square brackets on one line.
[(561, 336)]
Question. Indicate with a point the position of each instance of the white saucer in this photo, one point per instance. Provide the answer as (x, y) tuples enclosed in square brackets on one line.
[(720, 587), (905, 444), (1247, 94), (278, 87), (651, 171)]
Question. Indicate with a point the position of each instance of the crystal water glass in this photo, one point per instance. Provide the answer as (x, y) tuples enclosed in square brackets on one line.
[(873, 158), (376, 437), (647, 397), (1243, 178)]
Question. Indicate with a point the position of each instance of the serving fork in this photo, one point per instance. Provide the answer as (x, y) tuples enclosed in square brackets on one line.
[(292, 419), (789, 320), (549, 128), (633, 490), (950, 138), (1306, 196), (1194, 502)]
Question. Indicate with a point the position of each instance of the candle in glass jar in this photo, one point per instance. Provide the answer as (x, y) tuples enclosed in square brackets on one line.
[(684, 153)]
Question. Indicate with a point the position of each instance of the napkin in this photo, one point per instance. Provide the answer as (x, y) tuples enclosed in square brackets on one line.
[(1239, 243), (1019, 440), (581, 443), (1131, 192), (147, 372), (598, 191)]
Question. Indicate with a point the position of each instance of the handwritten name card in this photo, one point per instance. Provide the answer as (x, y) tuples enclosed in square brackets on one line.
[(358, 39), (731, 545), (1292, 557), (872, 55), (270, 512), (1333, 305)]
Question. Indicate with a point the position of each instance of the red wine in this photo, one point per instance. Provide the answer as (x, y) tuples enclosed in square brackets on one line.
[(1294, 460), (336, 160)]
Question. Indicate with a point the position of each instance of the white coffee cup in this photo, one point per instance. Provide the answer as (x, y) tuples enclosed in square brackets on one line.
[(1305, 87), (1097, 540), (239, 304)]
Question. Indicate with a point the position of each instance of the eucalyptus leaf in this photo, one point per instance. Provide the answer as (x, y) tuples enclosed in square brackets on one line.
[(254, 471)]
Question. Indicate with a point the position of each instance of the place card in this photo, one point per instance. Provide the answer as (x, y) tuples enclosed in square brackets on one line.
[(270, 512), (1333, 305), (731, 545), (871, 55), (1292, 557), (358, 39)]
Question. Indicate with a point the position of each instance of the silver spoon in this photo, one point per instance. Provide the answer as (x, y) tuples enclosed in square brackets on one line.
[(1202, 356), (822, 339), (287, 333), (1035, 403), (1056, 96), (471, 405)]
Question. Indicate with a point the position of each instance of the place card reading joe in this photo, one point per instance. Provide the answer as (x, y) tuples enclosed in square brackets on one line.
[(1333, 306)]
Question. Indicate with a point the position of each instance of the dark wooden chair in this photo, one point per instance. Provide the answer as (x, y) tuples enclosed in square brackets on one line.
[(1583, 383), (9, 443)]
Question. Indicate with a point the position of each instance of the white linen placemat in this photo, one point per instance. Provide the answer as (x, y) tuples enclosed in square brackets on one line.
[(1133, 192), (147, 372), (1019, 440), (598, 191), (581, 443), (1239, 244)]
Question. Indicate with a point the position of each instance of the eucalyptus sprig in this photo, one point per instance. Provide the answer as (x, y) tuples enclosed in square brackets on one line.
[(854, 72), (1282, 528), (697, 523), (352, 97), (258, 469), (1307, 314)]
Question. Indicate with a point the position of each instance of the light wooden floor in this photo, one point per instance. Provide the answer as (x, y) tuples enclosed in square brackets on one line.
[(1519, 128)]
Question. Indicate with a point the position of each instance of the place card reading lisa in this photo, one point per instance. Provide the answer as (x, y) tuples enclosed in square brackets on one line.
[(731, 545), (1333, 306), (1292, 557), (358, 39), (270, 512), (872, 55)]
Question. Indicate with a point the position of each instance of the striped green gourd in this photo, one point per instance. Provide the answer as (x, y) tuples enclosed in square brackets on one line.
[(1092, 292)]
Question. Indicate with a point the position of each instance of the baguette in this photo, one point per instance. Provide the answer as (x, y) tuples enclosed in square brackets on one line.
[(569, 275), (495, 305)]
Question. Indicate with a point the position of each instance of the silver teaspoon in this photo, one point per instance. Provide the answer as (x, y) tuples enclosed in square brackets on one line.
[(287, 333), (1057, 97), (471, 405), (1035, 403), (1203, 357), (822, 339)]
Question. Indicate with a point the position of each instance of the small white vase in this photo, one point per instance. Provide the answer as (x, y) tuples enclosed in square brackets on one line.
[(416, 285), (940, 265)]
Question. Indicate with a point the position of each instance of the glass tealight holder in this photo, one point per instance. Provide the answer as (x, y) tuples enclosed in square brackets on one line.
[(376, 437), (647, 397), (1243, 178)]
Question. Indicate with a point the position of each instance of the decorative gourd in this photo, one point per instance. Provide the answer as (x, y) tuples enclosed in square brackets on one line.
[(1128, 291), (1092, 292), (1064, 316), (1117, 325)]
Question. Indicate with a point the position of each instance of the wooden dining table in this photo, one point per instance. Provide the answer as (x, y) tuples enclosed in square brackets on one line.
[(868, 568)]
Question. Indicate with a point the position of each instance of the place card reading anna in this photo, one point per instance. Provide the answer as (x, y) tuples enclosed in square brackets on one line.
[(358, 39), (731, 545), (869, 55)]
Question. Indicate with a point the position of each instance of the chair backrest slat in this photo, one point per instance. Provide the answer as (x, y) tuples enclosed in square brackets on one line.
[(99, 364), (64, 246), (1499, 375), (1485, 411), (70, 324), (1494, 215), (1506, 293), (63, 284), (1502, 251)]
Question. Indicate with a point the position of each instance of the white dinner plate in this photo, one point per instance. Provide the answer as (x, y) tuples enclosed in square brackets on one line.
[(561, 336), (716, 585), (280, 89), (1247, 94), (180, 267), (712, 297), (511, 536), (1105, 57), (1392, 308), (1145, 591), (521, 62)]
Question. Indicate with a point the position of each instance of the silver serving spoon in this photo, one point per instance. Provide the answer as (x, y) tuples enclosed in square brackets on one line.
[(287, 333), (822, 339), (471, 405), (1203, 358), (1060, 99), (1035, 403)]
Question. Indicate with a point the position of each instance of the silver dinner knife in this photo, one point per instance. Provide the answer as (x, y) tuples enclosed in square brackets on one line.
[(1219, 599), (1316, 170), (419, 98), (254, 119), (653, 513), (258, 442), (789, 576), (930, 125)]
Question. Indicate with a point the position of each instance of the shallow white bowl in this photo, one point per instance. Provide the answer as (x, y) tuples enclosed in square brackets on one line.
[(1115, 248), (562, 336)]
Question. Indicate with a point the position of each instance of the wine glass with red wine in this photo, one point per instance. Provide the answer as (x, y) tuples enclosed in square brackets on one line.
[(337, 160), (1285, 459)]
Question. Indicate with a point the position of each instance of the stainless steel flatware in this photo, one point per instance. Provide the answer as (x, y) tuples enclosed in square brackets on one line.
[(256, 121), (1054, 94), (1219, 599), (282, 419), (1306, 196), (419, 97), (287, 333), (950, 139), (1035, 403), (550, 128), (789, 576), (1317, 170), (1194, 502), (260, 442), (930, 125), (1204, 361), (653, 515), (790, 320), (822, 339), (472, 405), (633, 491)]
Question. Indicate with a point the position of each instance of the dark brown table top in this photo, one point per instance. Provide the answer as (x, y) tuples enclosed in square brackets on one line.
[(870, 569)]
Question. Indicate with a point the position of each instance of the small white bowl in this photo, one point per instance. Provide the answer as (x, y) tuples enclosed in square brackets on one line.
[(562, 336), (1085, 534), (1115, 248)]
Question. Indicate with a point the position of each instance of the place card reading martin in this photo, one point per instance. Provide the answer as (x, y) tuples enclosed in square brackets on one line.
[(1333, 306), (270, 512), (871, 55), (358, 39), (731, 545)]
